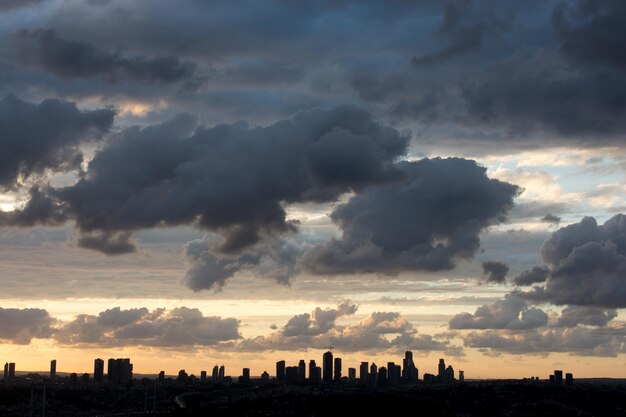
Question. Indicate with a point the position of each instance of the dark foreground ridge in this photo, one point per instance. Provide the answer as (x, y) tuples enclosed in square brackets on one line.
[(476, 398)]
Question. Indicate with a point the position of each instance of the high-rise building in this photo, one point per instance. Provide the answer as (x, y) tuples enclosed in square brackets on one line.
[(461, 376), (394, 373), (352, 375), (337, 370), (316, 378), (372, 378), (11, 371), (84, 379), (161, 377), (53, 370), (409, 371), (265, 376), (183, 377), (215, 376), (449, 378), (221, 374), (569, 379), (302, 370), (312, 367), (382, 376), (363, 372), (327, 363), (291, 374), (245, 376), (280, 370), (441, 375), (558, 377), (119, 371), (98, 371), (5, 375), (73, 378), (203, 377)]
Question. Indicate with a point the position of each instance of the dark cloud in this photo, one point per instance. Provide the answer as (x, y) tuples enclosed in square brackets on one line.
[(16, 4), (22, 325), (510, 313), (79, 59), (572, 316), (425, 222), (577, 340), (110, 243), (588, 264), (535, 275), (140, 327), (166, 175), (592, 32), (45, 136), (551, 218), (495, 271)]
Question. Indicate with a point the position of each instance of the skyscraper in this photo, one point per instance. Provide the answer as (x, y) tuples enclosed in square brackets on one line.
[(337, 373), (569, 379), (558, 377), (215, 375), (409, 371), (312, 366), (245, 375), (5, 375), (222, 372), (11, 371), (119, 371), (98, 370), (352, 375), (301, 370), (280, 370), (203, 377), (441, 375), (327, 370), (363, 371), (449, 378), (53, 370), (461, 376)]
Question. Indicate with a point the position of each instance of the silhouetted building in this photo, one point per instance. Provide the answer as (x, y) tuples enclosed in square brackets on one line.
[(461, 376), (551, 379), (302, 370), (558, 377), (327, 364), (203, 377), (265, 376), (409, 371), (394, 373), (352, 374), (363, 372), (382, 376), (449, 376), (5, 375), (84, 379), (120, 371), (73, 379), (316, 377), (221, 375), (182, 376), (429, 378), (337, 370), (245, 376), (53, 370), (441, 375), (215, 376), (372, 377), (98, 370), (11, 371), (291, 374), (312, 367), (161, 377), (569, 379), (280, 370)]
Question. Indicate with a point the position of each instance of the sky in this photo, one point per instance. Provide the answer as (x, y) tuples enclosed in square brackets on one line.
[(197, 183)]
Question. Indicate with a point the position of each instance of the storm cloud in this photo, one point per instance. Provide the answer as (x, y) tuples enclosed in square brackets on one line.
[(535, 275), (588, 264), (510, 313), (79, 59), (495, 272), (45, 136), (425, 222)]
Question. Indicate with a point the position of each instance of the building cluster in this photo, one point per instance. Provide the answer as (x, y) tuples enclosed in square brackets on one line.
[(557, 378), (369, 375)]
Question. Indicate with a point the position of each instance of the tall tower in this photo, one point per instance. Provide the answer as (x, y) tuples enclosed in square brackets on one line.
[(363, 371), (302, 370), (98, 370), (53, 370), (327, 363), (280, 370), (337, 373), (441, 376)]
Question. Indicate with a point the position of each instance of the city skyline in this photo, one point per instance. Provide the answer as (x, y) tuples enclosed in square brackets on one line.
[(225, 183)]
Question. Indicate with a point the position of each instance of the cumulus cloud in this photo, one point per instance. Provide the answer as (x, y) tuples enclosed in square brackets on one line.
[(45, 136), (535, 275), (378, 331), (588, 264), (510, 313), (572, 316), (495, 271), (551, 218), (79, 59), (426, 221), (180, 326), (20, 326)]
